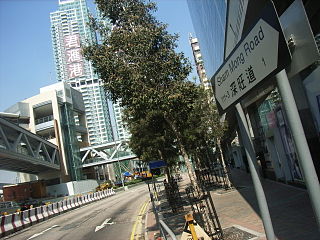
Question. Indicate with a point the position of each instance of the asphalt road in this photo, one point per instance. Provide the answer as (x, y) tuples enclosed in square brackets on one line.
[(115, 218)]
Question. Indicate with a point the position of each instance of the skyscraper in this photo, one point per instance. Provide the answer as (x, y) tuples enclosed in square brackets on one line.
[(199, 62), (207, 15), (70, 32)]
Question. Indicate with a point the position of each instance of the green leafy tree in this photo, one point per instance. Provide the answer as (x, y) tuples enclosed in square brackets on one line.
[(151, 139), (138, 64)]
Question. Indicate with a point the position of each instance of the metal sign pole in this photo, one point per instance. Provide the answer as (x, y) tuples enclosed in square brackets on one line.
[(303, 151), (262, 202)]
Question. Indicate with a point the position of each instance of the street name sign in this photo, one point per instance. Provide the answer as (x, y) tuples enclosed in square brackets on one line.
[(262, 53)]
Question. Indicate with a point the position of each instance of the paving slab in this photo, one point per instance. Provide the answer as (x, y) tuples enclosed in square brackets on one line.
[(238, 212)]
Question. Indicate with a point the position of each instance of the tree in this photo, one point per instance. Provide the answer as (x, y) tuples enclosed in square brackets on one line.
[(151, 139), (138, 64)]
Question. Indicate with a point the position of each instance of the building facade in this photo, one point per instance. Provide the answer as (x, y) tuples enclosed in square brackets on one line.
[(198, 59), (265, 113), (208, 18), (57, 114), (121, 128), (70, 32)]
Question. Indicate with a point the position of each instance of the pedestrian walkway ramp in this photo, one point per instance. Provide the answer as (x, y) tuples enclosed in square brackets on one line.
[(23, 151), (106, 153)]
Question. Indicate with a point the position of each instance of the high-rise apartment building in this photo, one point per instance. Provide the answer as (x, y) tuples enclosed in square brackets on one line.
[(199, 62), (70, 32), (121, 128)]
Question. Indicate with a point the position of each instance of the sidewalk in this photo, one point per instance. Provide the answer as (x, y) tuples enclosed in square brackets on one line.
[(290, 210), (289, 207)]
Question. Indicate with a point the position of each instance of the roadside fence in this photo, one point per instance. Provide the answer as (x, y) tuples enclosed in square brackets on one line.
[(17, 221)]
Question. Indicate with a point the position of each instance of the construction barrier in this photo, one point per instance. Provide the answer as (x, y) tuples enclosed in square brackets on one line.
[(94, 196), (84, 199), (98, 195), (76, 202), (69, 204), (90, 197), (50, 210), (60, 207), (45, 212), (72, 203), (6, 225), (2, 230), (55, 208), (39, 214), (16, 221), (103, 193), (64, 205), (32, 216), (80, 200), (25, 218)]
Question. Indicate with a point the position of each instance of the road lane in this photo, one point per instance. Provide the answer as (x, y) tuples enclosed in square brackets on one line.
[(121, 210)]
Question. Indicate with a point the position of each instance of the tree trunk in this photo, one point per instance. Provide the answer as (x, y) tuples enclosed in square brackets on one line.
[(224, 166), (167, 170), (183, 152)]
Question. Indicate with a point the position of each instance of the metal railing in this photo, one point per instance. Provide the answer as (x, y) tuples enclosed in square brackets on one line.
[(44, 119), (167, 230)]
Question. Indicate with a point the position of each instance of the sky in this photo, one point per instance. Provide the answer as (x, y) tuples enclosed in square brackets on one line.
[(26, 55)]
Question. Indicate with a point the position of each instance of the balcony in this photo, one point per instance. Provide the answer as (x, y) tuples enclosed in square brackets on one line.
[(44, 123)]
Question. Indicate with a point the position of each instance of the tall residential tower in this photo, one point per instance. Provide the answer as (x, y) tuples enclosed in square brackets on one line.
[(70, 32)]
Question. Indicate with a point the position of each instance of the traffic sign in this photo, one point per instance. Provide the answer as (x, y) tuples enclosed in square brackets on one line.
[(262, 53)]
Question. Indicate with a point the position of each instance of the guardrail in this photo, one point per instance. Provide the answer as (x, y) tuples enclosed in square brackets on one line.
[(20, 220), (167, 229)]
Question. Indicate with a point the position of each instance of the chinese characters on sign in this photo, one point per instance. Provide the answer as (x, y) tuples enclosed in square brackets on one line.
[(73, 56), (72, 41), (240, 84)]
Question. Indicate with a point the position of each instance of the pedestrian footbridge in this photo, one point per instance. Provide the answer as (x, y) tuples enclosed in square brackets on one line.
[(106, 153), (23, 151)]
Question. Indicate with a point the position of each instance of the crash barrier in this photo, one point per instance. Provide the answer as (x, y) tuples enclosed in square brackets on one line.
[(16, 221), (25, 218), (19, 220), (32, 216), (6, 225), (55, 208), (45, 212), (50, 210), (39, 214)]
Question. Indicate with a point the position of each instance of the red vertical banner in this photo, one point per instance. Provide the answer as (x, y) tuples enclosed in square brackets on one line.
[(73, 56)]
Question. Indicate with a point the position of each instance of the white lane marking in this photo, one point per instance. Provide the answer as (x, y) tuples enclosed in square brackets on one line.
[(106, 222), (38, 234)]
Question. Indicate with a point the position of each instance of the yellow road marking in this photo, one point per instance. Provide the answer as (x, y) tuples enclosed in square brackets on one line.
[(138, 219)]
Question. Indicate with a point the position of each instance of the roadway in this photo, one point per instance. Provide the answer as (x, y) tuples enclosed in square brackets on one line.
[(118, 217)]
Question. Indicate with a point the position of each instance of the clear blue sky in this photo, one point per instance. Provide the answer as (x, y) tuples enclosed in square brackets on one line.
[(26, 58)]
